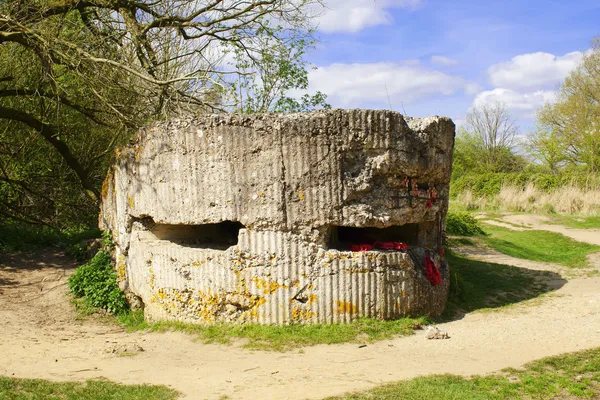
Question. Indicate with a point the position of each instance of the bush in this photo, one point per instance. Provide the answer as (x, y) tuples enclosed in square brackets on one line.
[(462, 224), (96, 283)]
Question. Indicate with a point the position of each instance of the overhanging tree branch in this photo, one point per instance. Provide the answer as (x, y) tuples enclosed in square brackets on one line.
[(48, 132)]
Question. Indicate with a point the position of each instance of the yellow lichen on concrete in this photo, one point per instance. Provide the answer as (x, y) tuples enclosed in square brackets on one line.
[(267, 286), (345, 307), (138, 152), (302, 315), (106, 184), (130, 201), (121, 268)]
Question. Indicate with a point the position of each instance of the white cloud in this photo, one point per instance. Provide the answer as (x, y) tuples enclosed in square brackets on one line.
[(355, 15), (527, 82), (535, 71), (357, 85), (519, 105), (443, 61)]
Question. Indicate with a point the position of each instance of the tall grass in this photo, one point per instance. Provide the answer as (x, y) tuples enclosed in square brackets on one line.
[(569, 199)]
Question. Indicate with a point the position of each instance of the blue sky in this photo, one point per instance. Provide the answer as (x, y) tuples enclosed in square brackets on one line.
[(443, 57)]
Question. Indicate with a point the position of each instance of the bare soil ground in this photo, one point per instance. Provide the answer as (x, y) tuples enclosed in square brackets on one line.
[(42, 337)]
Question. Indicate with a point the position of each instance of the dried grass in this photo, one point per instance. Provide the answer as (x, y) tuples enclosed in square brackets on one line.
[(565, 200)]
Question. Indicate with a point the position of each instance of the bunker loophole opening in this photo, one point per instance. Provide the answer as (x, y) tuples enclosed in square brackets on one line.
[(218, 236), (342, 237)]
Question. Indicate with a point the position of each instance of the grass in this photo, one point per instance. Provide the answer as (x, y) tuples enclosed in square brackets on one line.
[(457, 241), (281, 338), (538, 245), (263, 337), (573, 221), (478, 285), (37, 389), (570, 376)]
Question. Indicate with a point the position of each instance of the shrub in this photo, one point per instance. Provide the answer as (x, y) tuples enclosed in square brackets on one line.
[(96, 283), (462, 224)]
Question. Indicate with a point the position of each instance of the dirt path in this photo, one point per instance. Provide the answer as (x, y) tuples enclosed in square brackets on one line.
[(42, 338)]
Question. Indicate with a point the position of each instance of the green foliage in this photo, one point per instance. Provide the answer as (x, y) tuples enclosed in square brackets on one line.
[(546, 147), (22, 237), (96, 283), (571, 123), (539, 246), (462, 224), (81, 84), (575, 375), (37, 389), (472, 158), (276, 69)]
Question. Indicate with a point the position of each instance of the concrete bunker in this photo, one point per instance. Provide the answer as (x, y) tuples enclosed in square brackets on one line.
[(317, 217)]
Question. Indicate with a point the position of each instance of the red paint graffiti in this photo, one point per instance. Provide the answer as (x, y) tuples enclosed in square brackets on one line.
[(431, 271)]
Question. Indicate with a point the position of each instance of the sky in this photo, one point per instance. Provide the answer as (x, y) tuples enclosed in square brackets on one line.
[(436, 57)]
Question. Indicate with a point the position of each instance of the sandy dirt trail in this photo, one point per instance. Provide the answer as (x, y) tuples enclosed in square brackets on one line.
[(42, 338)]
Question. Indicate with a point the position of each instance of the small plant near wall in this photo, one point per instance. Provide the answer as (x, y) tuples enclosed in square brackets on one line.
[(96, 283)]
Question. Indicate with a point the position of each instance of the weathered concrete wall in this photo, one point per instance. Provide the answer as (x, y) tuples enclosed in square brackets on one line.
[(290, 180)]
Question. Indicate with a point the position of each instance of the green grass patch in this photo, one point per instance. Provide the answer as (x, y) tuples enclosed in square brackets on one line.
[(288, 337), (538, 245), (572, 221), (570, 376), (37, 389), (266, 337), (478, 285), (132, 320), (458, 241)]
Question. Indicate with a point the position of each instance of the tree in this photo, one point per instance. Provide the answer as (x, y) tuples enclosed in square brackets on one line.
[(574, 119), (489, 138), (283, 70), (546, 147), (77, 77)]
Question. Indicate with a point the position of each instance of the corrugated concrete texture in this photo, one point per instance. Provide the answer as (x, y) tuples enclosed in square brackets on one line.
[(248, 218)]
